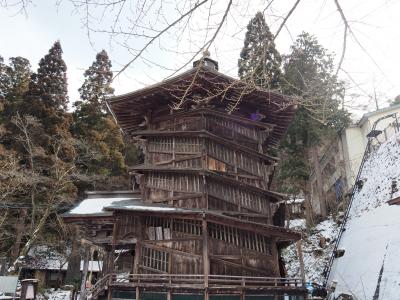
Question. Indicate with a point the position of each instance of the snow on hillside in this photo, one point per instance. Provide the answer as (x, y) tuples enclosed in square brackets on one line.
[(370, 267), (317, 247)]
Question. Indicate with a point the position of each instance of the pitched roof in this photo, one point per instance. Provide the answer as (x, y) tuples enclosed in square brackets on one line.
[(95, 202), (211, 86)]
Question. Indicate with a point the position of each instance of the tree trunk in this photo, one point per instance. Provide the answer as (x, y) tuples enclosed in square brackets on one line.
[(74, 262), (35, 234), (307, 201), (19, 232), (318, 175)]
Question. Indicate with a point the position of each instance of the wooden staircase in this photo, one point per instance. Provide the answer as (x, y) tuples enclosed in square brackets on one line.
[(100, 287)]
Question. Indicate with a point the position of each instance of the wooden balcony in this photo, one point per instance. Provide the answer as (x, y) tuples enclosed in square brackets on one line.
[(214, 284)]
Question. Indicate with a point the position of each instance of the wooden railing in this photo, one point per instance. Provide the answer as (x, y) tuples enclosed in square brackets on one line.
[(99, 287), (196, 282), (201, 281)]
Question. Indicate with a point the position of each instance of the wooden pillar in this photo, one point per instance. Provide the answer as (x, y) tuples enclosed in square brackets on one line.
[(275, 256), (170, 267), (137, 297), (83, 295), (206, 260), (173, 152), (300, 255), (138, 254), (114, 243), (109, 293), (243, 292)]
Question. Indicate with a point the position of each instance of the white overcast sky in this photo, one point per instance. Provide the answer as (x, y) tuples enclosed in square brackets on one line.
[(373, 69)]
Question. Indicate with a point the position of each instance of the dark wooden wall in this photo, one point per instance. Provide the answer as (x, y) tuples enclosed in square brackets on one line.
[(208, 154), (175, 246), (188, 190), (211, 161), (239, 130)]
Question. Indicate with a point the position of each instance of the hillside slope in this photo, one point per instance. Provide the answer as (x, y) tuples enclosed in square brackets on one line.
[(370, 267), (317, 246)]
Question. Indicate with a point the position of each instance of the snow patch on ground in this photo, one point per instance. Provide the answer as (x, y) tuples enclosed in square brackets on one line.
[(53, 294), (372, 237), (315, 257)]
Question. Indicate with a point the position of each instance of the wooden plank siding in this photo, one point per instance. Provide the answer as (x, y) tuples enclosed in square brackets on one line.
[(164, 187), (244, 134), (230, 251), (203, 153)]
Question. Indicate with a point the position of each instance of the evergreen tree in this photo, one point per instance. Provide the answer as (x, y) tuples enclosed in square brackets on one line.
[(14, 84), (18, 73), (47, 96), (309, 74), (97, 86), (36, 143), (4, 79), (259, 61), (100, 142)]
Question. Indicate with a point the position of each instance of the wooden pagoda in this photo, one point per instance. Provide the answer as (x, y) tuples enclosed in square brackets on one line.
[(202, 222)]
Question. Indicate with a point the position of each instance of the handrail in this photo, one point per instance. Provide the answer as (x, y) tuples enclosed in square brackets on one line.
[(193, 281), (223, 280), (100, 285)]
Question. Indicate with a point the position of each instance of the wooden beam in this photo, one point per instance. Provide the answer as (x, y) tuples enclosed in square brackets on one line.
[(206, 260), (301, 261)]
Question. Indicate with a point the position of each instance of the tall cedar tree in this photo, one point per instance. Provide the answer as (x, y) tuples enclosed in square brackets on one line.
[(260, 62), (100, 144), (39, 140), (18, 75), (309, 74), (51, 152), (4, 79), (14, 81), (47, 96)]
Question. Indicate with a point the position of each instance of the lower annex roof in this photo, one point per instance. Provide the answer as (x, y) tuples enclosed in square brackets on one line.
[(95, 206)]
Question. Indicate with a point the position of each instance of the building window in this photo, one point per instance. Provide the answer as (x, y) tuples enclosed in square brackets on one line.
[(155, 259)]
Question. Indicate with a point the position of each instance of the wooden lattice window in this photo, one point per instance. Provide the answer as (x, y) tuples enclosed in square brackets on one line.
[(239, 237), (174, 182), (187, 226), (161, 228), (238, 196), (155, 259)]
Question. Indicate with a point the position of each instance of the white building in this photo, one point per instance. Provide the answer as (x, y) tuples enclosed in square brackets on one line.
[(338, 163)]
